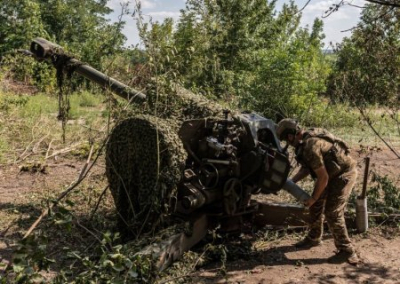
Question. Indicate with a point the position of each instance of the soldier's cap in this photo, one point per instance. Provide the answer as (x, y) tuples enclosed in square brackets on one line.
[(285, 127)]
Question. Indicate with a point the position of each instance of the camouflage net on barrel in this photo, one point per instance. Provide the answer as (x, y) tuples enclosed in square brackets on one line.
[(181, 104), (196, 106), (144, 163)]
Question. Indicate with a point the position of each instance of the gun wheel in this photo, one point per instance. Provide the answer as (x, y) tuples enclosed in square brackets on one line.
[(144, 163)]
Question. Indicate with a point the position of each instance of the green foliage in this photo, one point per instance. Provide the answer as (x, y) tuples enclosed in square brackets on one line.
[(288, 72), (20, 22), (113, 265), (311, 110), (87, 99), (82, 102), (368, 64), (17, 101), (29, 123), (42, 104), (245, 54), (79, 26), (29, 259), (37, 106), (384, 197), (25, 69)]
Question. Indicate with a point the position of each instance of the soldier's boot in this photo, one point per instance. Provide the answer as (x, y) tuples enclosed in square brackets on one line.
[(307, 243), (345, 256)]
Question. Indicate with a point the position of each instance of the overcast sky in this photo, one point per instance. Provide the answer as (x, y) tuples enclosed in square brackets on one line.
[(344, 19)]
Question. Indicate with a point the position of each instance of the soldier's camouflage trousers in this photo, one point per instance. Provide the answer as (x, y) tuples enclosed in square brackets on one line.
[(331, 206)]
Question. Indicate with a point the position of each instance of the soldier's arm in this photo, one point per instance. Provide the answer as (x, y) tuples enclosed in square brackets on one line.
[(319, 187), (321, 182), (302, 173), (314, 159)]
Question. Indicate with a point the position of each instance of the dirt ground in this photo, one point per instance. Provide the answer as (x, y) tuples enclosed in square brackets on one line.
[(22, 193), (280, 262), (276, 261)]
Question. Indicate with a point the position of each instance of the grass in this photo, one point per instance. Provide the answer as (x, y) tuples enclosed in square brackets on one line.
[(3, 147), (30, 123), (346, 121), (361, 134)]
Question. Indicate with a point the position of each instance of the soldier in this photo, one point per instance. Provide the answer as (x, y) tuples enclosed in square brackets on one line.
[(326, 159)]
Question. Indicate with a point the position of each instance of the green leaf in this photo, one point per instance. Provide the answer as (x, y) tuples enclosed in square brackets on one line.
[(17, 268), (108, 263), (118, 247), (118, 267), (128, 263), (116, 255), (133, 273), (37, 278)]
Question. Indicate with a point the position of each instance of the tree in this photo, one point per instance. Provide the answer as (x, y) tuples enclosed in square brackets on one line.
[(368, 64), (291, 75), (391, 3), (337, 5), (20, 22), (78, 25), (81, 26), (242, 52)]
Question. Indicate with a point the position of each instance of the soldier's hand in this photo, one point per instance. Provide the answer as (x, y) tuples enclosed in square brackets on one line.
[(309, 202)]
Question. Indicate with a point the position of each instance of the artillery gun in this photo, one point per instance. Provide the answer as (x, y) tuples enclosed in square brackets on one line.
[(201, 172)]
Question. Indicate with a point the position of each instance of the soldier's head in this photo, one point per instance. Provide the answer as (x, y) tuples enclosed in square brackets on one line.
[(289, 130)]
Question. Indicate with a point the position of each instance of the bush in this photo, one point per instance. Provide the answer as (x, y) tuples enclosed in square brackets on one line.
[(26, 69), (384, 197), (6, 102)]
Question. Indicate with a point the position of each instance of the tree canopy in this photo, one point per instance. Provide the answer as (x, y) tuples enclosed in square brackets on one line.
[(78, 25), (243, 52), (368, 66)]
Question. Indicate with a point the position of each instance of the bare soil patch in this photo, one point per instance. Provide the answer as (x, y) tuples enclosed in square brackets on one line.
[(23, 193), (17, 87)]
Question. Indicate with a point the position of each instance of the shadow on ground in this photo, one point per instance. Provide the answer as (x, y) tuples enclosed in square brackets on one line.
[(11, 233), (262, 263)]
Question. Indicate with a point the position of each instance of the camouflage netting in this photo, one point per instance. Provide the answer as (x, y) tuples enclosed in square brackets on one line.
[(196, 106), (142, 186), (181, 104), (144, 163)]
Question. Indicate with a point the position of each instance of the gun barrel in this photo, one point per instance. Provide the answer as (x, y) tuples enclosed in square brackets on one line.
[(46, 50), (296, 191), (117, 87)]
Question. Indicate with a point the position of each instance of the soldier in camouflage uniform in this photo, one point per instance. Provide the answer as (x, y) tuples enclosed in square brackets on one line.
[(326, 159)]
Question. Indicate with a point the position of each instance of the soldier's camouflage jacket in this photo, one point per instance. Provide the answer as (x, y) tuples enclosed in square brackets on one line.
[(319, 147)]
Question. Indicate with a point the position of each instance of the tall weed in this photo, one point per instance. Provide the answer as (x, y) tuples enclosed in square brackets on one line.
[(384, 197)]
